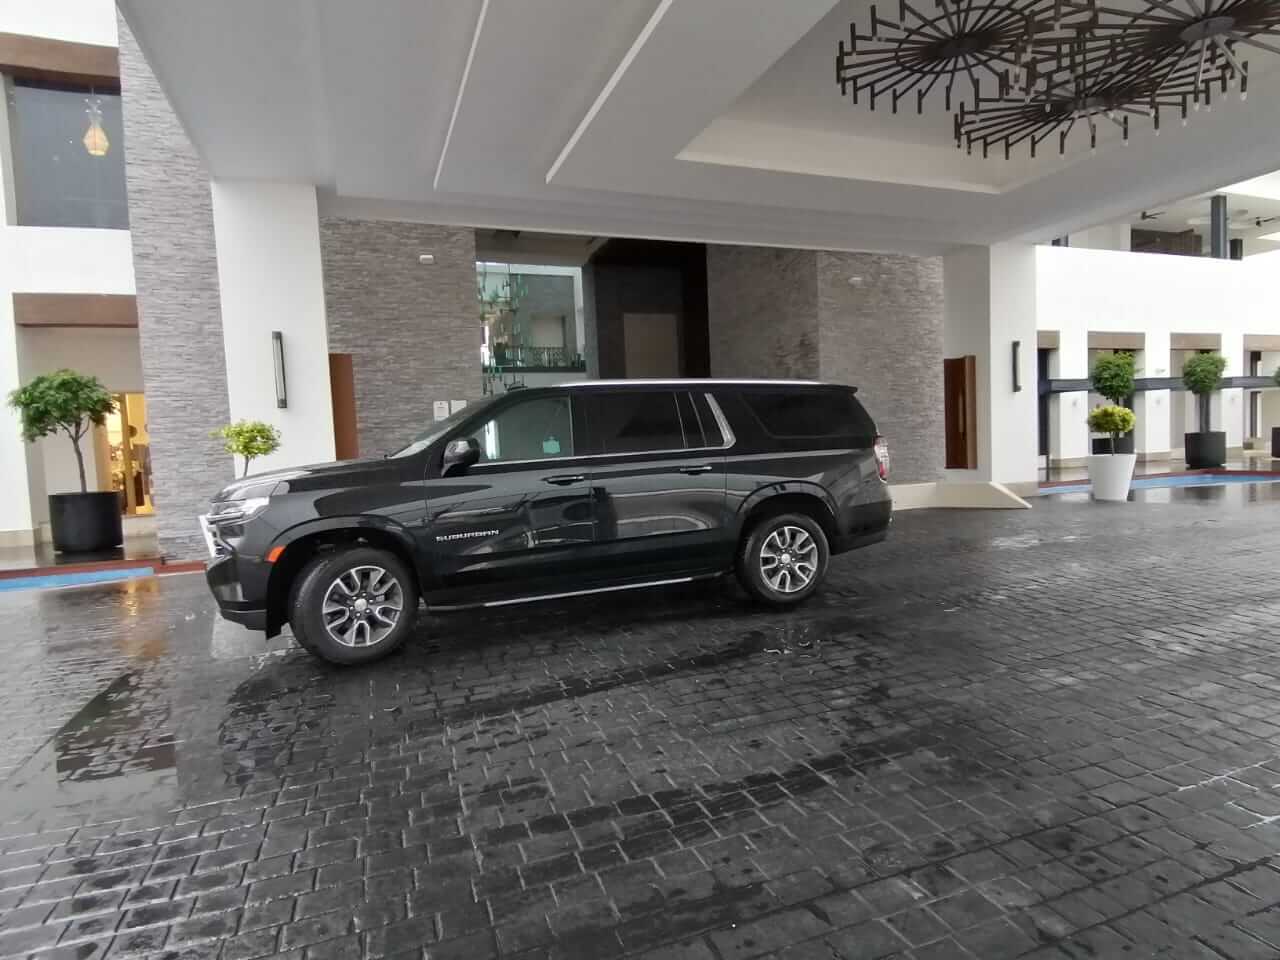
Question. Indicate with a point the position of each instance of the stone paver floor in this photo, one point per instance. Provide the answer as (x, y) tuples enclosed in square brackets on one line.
[(1052, 733)]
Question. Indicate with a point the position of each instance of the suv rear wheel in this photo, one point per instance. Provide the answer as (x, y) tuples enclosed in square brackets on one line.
[(353, 606), (783, 559)]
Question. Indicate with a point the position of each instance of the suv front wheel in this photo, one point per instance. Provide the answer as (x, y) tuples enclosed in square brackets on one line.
[(354, 605), (783, 559)]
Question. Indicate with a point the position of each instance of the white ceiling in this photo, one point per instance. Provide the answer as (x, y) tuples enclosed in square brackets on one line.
[(1253, 209), (714, 120)]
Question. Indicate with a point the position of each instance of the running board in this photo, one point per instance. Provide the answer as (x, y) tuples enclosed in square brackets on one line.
[(572, 593)]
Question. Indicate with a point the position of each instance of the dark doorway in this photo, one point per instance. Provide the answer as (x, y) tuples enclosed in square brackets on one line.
[(634, 282), (1043, 356)]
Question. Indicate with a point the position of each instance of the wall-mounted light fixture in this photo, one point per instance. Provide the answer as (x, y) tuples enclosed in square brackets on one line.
[(1017, 373), (277, 350), (426, 259)]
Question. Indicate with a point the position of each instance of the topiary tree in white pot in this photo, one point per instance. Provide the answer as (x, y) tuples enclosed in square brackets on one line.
[(1111, 474)]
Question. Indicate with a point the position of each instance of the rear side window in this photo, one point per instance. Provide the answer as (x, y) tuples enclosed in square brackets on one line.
[(811, 414), (711, 433), (636, 422)]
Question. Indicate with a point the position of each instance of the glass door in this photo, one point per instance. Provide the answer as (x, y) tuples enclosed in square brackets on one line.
[(128, 447)]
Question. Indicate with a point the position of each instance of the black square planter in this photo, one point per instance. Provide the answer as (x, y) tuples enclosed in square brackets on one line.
[(1103, 444), (85, 522), (1205, 450)]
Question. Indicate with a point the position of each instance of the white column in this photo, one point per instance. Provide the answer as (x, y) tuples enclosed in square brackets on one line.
[(990, 303), (269, 276), (1151, 438), (1230, 414), (1270, 398), (1069, 433), (15, 505)]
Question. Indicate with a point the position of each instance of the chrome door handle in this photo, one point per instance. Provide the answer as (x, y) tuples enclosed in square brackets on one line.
[(563, 480), (701, 468)]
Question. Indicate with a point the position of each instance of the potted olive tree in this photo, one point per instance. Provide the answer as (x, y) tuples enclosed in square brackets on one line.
[(1202, 375), (1112, 376), (69, 402), (1111, 473), (249, 439)]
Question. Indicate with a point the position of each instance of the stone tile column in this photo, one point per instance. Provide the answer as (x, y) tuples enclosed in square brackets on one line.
[(179, 313)]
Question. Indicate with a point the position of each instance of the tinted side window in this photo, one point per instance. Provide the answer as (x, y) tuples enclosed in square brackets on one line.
[(711, 431), (811, 414), (689, 421), (536, 429), (633, 422)]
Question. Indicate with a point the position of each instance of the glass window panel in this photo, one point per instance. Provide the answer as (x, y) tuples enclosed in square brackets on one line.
[(634, 422), (58, 182), (811, 413), (538, 429)]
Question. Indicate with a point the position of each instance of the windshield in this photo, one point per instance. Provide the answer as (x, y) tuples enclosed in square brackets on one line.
[(440, 428)]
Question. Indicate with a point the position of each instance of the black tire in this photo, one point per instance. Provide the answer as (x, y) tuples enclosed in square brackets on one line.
[(751, 570), (356, 565)]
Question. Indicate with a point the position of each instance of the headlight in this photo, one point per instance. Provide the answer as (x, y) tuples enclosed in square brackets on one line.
[(237, 511)]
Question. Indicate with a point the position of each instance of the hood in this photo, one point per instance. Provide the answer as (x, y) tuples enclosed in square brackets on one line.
[(313, 476)]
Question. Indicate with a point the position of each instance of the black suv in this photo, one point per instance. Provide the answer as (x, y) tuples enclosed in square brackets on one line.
[(555, 492)]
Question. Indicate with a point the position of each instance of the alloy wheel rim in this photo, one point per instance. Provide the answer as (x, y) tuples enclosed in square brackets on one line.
[(362, 606), (789, 559)]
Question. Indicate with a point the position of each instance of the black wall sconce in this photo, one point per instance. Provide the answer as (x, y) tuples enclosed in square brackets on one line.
[(277, 350), (1017, 375)]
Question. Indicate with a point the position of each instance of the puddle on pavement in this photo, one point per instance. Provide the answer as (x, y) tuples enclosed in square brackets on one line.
[(116, 746), (116, 732)]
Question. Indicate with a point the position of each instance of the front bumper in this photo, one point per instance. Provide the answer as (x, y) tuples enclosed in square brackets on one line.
[(239, 585)]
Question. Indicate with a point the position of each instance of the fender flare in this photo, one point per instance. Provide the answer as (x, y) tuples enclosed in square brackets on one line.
[(763, 495), (354, 522)]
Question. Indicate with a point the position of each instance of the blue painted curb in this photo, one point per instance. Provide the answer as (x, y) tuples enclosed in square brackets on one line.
[(75, 579)]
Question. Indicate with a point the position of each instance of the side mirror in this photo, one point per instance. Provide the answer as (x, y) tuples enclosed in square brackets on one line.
[(460, 454)]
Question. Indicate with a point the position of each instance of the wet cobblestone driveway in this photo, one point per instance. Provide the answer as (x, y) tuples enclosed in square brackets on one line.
[(1051, 733)]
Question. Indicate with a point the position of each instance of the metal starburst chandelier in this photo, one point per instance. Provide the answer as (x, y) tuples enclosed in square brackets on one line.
[(1017, 73)]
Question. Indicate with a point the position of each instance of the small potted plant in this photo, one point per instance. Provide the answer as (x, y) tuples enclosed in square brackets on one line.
[(249, 439), (1202, 375), (1111, 473), (1112, 376), (69, 402)]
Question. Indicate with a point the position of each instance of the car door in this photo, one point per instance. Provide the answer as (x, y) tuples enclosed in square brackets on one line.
[(657, 481), (519, 522)]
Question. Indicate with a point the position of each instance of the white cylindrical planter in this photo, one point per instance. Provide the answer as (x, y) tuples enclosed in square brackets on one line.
[(1110, 474)]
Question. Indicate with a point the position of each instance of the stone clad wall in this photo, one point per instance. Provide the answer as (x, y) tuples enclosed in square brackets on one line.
[(881, 330), (873, 321), (179, 313), (762, 312), (413, 330)]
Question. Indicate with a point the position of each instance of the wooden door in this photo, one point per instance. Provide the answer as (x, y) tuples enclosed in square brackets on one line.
[(960, 392), (342, 385)]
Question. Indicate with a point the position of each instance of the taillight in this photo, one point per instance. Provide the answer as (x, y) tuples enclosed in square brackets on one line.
[(882, 457)]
